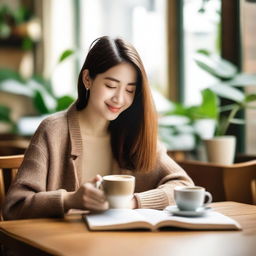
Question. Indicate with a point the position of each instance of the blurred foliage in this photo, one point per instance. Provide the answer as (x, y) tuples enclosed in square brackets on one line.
[(38, 88), (178, 128), (231, 86), (11, 18)]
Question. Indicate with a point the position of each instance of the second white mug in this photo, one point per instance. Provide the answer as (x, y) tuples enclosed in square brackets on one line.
[(190, 198)]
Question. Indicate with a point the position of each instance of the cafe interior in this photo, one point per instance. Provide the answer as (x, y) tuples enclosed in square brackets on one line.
[(200, 58)]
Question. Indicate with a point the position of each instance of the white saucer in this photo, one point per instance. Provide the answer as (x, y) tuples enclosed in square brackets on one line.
[(176, 211)]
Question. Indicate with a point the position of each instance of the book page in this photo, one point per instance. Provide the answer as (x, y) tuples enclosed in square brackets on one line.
[(153, 216), (154, 219), (114, 217), (212, 220)]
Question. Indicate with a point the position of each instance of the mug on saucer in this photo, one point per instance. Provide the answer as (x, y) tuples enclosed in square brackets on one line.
[(191, 198)]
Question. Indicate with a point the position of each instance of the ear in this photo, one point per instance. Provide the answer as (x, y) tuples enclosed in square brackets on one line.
[(86, 79)]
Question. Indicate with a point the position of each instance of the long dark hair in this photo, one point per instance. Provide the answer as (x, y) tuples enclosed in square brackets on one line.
[(134, 131)]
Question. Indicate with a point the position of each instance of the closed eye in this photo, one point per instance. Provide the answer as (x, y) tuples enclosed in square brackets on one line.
[(130, 91), (110, 86)]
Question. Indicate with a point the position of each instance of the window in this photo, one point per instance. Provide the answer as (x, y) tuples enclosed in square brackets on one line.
[(59, 34), (248, 26), (201, 21)]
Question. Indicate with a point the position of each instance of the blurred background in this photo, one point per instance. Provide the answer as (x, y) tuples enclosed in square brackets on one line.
[(186, 46)]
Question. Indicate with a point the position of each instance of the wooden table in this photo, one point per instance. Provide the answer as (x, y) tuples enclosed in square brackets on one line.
[(70, 236)]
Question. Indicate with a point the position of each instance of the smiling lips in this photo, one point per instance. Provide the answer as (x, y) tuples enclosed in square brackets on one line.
[(113, 109)]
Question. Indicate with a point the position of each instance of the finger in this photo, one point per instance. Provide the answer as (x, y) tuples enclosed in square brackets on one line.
[(91, 204), (102, 207), (99, 177), (95, 194), (96, 178), (96, 181)]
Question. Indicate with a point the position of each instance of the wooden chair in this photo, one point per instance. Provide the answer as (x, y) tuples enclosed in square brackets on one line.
[(8, 169), (236, 182), (13, 147), (253, 186), (240, 158)]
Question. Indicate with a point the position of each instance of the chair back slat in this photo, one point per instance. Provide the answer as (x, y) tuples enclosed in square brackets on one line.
[(11, 162), (2, 187), (8, 170), (253, 187), (235, 182)]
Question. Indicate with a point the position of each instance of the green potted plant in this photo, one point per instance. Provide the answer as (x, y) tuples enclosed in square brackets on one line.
[(183, 127), (229, 81), (38, 88)]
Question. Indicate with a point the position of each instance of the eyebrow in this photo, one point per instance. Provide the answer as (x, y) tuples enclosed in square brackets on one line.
[(115, 80)]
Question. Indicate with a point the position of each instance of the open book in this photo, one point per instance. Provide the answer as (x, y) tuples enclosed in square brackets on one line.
[(118, 219)]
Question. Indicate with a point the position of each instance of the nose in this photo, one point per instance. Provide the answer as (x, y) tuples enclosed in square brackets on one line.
[(118, 97)]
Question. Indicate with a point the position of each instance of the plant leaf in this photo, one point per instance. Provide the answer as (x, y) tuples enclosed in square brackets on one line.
[(204, 52), (48, 99), (5, 114), (228, 92), (8, 74), (16, 87), (250, 97), (216, 66), (65, 55), (243, 79), (64, 102), (210, 104), (44, 82), (177, 109), (40, 104)]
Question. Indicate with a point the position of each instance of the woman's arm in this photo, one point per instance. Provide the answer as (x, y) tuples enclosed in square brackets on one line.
[(155, 189), (27, 196), (46, 184)]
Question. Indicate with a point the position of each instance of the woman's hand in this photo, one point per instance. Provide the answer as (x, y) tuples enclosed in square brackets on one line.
[(87, 197), (134, 203)]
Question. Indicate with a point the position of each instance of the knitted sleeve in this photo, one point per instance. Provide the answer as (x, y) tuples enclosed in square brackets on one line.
[(161, 183), (28, 196)]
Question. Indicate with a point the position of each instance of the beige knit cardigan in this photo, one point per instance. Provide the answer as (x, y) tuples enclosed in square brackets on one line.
[(53, 164)]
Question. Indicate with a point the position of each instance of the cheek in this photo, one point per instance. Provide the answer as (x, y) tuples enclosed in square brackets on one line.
[(129, 100), (99, 94)]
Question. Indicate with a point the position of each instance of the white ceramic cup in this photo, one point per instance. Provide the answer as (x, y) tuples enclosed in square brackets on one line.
[(190, 198), (119, 190)]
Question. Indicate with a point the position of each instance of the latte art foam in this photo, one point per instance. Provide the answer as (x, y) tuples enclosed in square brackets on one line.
[(117, 178)]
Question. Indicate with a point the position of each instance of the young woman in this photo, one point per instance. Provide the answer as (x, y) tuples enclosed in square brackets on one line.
[(110, 129)]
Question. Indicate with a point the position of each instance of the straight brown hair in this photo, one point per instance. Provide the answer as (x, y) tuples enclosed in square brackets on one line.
[(134, 131)]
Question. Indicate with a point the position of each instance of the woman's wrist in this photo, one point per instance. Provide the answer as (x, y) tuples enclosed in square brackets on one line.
[(67, 200)]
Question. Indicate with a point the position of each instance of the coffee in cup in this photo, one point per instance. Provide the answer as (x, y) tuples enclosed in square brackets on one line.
[(190, 198), (119, 190)]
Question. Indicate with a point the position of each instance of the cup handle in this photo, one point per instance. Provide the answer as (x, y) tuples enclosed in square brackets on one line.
[(98, 184), (209, 196)]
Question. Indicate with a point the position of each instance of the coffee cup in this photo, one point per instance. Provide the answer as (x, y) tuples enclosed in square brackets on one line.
[(119, 190), (190, 198)]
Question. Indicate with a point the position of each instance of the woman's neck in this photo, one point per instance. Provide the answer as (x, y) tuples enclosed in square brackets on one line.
[(91, 124)]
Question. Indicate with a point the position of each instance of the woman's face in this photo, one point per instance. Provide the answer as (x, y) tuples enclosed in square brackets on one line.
[(112, 92)]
